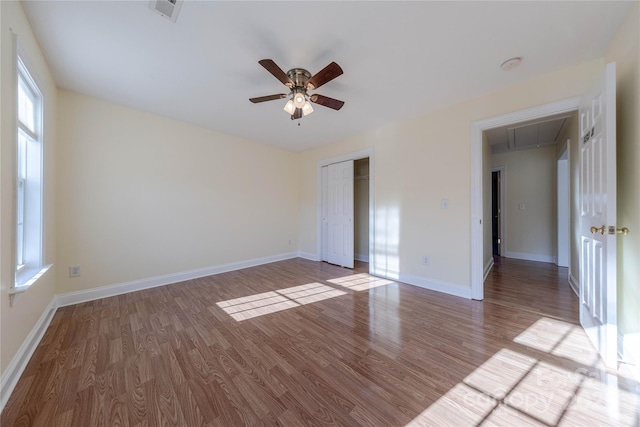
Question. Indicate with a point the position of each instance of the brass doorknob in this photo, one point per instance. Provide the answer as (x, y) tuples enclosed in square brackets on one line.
[(623, 230), (600, 230)]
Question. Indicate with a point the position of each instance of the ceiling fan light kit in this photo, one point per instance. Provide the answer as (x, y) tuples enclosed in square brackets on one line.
[(300, 81)]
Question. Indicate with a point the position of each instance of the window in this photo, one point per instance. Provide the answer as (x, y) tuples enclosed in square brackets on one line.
[(28, 178)]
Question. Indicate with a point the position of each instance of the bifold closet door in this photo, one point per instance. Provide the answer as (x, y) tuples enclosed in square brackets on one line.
[(339, 211)]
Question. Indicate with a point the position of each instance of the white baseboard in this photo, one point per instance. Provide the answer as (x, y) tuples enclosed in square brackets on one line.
[(16, 367), (433, 285), (313, 257), (630, 346), (531, 257), (309, 256), (573, 283), (71, 298), (361, 257), (487, 269), (12, 373), (436, 285)]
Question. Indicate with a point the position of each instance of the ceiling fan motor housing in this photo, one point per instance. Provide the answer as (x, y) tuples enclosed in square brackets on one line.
[(300, 76)]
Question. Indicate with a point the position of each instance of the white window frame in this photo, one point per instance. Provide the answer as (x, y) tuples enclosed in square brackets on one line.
[(29, 182)]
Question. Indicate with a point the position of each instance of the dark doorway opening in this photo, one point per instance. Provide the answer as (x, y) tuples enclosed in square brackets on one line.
[(495, 212)]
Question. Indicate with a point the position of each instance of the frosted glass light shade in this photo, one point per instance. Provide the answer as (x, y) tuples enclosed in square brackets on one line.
[(298, 99), (289, 107), (307, 108)]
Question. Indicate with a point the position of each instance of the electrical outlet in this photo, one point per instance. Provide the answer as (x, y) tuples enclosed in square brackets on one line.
[(425, 260), (74, 271)]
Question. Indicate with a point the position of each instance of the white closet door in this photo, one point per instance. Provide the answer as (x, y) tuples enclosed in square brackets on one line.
[(340, 214)]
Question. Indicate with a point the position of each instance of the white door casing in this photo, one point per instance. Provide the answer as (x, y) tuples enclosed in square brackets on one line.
[(563, 203), (598, 278), (324, 210), (340, 214), (477, 127)]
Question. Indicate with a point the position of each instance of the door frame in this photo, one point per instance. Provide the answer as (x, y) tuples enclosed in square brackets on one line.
[(563, 207), (477, 127), (369, 152)]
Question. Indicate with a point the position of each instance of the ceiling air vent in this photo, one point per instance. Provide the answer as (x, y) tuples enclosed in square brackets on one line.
[(167, 8)]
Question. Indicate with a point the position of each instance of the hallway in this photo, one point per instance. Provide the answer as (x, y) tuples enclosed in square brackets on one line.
[(537, 287)]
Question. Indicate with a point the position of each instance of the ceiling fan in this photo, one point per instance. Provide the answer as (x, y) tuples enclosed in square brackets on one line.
[(300, 81)]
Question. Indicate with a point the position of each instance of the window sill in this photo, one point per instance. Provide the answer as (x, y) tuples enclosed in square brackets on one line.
[(28, 278)]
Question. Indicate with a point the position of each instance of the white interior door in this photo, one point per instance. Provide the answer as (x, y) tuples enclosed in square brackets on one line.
[(340, 214), (598, 216)]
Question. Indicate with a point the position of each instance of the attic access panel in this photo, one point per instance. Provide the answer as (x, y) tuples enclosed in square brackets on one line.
[(535, 135), (166, 8)]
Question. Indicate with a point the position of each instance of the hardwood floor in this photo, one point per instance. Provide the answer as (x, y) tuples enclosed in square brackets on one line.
[(539, 287), (304, 343)]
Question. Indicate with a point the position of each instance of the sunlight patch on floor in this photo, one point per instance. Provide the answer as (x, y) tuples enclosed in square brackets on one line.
[(577, 347), (313, 292), (605, 399), (360, 282), (461, 406), (503, 416), (513, 388), (560, 339), (544, 335), (498, 375), (282, 299), (544, 392)]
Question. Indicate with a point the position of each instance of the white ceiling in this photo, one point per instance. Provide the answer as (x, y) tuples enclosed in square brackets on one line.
[(400, 59)]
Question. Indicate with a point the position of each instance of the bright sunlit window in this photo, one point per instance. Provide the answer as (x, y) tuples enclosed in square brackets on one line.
[(28, 178)]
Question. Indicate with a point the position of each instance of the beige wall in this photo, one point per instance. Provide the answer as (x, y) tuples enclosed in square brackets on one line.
[(141, 196), (530, 179), (17, 322), (625, 51), (420, 161)]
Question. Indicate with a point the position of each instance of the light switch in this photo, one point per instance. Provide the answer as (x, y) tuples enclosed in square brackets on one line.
[(444, 204)]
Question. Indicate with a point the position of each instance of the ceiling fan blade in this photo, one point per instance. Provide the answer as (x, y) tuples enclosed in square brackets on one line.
[(297, 114), (277, 72), (323, 76), (267, 98), (325, 101)]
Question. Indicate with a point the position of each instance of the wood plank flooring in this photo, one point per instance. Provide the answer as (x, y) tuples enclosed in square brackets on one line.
[(304, 343), (539, 287)]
